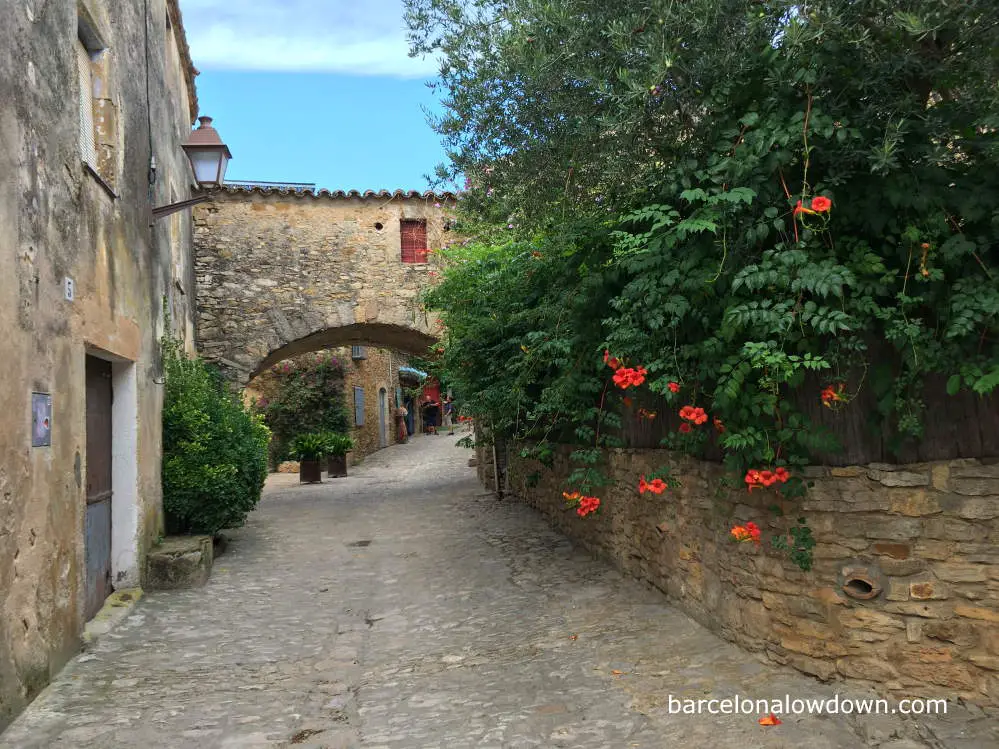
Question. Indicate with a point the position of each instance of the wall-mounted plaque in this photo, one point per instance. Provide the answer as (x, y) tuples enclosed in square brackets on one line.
[(41, 419)]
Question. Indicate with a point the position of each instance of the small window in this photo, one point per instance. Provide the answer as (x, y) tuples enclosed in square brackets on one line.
[(88, 136), (358, 352), (414, 241), (358, 406), (99, 131)]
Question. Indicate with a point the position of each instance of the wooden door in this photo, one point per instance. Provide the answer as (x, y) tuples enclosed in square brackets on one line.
[(97, 538)]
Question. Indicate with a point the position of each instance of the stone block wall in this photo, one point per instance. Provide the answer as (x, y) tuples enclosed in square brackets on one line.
[(379, 369), (903, 594), (280, 274)]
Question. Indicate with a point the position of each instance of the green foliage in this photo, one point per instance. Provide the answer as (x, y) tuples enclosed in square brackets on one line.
[(650, 160), (214, 450), (310, 446), (797, 543), (303, 396), (339, 444)]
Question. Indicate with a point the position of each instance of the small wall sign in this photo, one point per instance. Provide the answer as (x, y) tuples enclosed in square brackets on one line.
[(41, 420)]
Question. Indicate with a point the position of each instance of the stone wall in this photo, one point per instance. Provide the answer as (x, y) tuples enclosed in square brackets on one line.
[(921, 540), (62, 218), (378, 370), (282, 273)]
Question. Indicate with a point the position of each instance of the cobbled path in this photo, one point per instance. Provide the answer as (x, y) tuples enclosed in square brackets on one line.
[(405, 607)]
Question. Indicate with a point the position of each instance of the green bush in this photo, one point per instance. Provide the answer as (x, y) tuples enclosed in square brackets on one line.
[(214, 450)]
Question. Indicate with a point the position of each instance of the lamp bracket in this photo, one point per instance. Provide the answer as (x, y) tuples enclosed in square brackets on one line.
[(166, 210)]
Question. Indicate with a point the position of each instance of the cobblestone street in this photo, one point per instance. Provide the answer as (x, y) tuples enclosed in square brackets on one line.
[(406, 607)]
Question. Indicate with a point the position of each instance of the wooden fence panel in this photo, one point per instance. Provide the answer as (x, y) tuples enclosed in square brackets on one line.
[(965, 425)]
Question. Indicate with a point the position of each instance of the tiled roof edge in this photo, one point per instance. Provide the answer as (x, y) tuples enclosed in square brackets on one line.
[(338, 194)]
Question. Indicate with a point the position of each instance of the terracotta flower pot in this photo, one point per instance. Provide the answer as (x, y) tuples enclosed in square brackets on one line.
[(310, 472), (337, 466)]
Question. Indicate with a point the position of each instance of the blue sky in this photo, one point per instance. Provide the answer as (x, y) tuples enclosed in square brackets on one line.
[(315, 91)]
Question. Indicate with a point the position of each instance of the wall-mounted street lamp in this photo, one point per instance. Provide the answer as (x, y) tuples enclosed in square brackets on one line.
[(209, 158), (208, 154)]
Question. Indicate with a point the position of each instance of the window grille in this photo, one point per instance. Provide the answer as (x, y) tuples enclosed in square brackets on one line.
[(414, 240), (88, 138)]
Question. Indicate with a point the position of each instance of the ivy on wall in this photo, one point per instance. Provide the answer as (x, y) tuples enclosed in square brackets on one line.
[(302, 396)]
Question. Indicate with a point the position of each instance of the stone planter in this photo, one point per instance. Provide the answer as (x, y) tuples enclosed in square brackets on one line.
[(179, 562), (310, 472), (337, 466)]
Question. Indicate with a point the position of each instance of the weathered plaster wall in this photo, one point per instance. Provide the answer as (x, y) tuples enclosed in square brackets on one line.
[(57, 221), (926, 535), (282, 273)]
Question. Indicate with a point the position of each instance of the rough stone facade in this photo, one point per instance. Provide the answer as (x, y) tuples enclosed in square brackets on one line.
[(904, 592), (375, 370), (69, 213), (378, 371), (281, 273)]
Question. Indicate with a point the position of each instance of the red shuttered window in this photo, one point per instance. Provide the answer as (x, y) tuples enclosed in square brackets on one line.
[(414, 241)]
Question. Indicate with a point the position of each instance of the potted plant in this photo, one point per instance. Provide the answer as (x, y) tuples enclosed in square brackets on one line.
[(337, 447), (309, 449)]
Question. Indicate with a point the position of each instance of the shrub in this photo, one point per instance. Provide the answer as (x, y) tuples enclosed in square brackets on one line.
[(214, 450)]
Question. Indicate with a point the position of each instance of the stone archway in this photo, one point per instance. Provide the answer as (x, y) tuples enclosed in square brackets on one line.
[(282, 273), (396, 338)]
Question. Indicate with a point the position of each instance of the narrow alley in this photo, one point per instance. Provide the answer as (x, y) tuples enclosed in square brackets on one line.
[(404, 606)]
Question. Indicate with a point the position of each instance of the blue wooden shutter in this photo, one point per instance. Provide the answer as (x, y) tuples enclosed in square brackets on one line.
[(358, 406)]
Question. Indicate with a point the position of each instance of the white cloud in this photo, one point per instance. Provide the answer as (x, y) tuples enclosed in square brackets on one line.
[(361, 37)]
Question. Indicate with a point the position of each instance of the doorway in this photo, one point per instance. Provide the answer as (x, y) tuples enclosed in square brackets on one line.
[(382, 418), (97, 532)]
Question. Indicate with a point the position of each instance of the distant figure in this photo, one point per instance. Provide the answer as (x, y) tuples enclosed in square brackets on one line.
[(403, 433), (431, 409), (410, 417), (449, 414)]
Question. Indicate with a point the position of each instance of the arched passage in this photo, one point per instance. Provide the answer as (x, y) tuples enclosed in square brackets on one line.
[(358, 367), (394, 337), (242, 365), (283, 274)]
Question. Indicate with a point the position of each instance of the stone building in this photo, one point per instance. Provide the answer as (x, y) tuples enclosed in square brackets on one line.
[(98, 97), (284, 272), (377, 383), (372, 392)]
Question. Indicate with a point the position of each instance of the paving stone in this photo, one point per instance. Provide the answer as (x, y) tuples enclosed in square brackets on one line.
[(465, 622)]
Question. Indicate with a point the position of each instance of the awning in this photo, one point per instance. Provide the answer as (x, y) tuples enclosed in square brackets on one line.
[(415, 373)]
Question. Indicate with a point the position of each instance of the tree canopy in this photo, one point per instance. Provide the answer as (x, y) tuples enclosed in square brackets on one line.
[(757, 203)]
